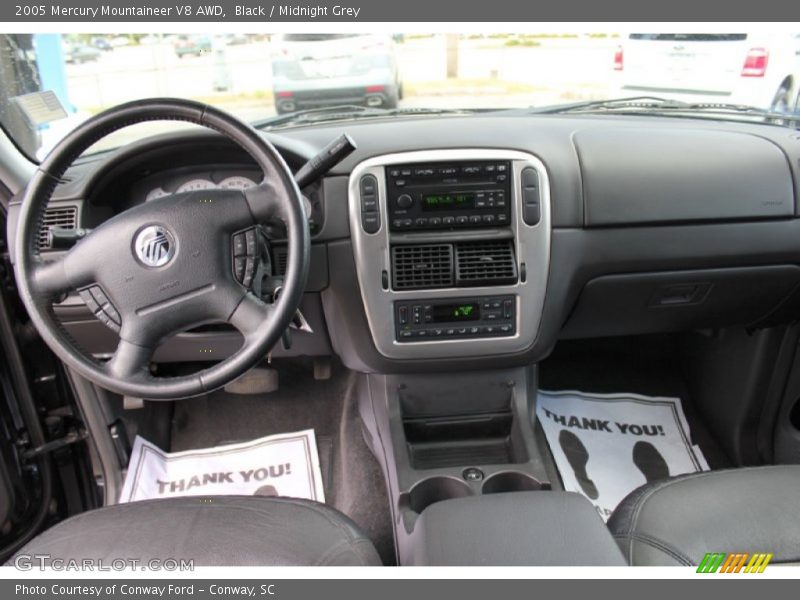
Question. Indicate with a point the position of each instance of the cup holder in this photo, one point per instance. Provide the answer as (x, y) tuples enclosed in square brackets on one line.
[(436, 489), (510, 481)]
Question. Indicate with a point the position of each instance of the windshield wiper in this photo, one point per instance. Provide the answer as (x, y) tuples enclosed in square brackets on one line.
[(349, 111), (656, 105)]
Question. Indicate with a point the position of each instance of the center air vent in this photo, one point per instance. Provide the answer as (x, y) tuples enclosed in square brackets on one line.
[(65, 217), (418, 267), (485, 263)]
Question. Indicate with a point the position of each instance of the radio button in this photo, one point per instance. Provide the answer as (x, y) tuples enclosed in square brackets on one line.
[(502, 218), (404, 201), (531, 211), (448, 220), (475, 219), (369, 185), (371, 222), (471, 170), (462, 220), (400, 182), (489, 219), (421, 222), (435, 221), (369, 203)]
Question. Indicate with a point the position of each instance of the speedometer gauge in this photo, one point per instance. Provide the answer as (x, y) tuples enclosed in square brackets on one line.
[(155, 193), (236, 182), (194, 185)]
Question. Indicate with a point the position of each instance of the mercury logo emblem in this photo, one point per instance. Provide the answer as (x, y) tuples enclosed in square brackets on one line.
[(154, 246)]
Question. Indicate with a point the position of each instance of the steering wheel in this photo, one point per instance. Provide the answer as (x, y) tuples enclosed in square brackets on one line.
[(167, 265)]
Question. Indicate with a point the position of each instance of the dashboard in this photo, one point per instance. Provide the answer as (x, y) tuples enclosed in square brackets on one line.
[(479, 241)]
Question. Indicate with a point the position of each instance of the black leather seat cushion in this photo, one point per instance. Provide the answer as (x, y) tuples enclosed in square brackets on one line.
[(675, 522), (213, 531)]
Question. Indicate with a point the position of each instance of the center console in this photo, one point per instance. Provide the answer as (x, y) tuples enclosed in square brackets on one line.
[(452, 254), (451, 250)]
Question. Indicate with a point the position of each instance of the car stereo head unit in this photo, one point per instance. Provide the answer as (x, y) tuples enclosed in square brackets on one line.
[(449, 195)]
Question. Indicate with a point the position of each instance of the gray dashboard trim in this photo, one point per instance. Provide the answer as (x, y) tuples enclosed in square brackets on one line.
[(372, 257)]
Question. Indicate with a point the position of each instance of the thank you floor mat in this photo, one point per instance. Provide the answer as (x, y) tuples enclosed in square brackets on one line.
[(607, 445), (286, 464)]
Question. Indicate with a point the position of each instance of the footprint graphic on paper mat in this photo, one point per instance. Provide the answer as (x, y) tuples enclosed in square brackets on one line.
[(577, 456), (650, 462), (266, 490)]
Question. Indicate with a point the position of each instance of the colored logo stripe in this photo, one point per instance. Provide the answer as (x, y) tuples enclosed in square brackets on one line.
[(734, 562), (758, 563)]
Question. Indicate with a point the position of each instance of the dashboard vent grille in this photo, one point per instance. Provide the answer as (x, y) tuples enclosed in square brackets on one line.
[(65, 217), (418, 267), (485, 263)]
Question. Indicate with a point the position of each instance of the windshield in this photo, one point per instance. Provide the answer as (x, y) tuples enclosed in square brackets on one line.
[(257, 77)]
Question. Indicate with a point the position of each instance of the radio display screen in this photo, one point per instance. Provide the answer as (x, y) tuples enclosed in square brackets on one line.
[(448, 201), (448, 313)]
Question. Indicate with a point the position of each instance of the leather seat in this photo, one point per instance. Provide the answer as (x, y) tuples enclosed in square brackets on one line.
[(213, 531), (679, 520)]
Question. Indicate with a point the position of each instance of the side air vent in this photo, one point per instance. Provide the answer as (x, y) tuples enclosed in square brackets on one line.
[(65, 217), (419, 267), (485, 263)]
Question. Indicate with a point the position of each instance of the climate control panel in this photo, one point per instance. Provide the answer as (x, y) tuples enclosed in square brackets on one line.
[(455, 318)]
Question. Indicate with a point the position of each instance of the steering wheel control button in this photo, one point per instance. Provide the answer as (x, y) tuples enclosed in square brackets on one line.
[(89, 300), (239, 264), (154, 246), (472, 474), (96, 301), (531, 212), (370, 208), (250, 242), (245, 256), (239, 247), (249, 272)]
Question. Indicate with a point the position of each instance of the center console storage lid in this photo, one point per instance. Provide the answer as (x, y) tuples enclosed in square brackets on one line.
[(538, 528)]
